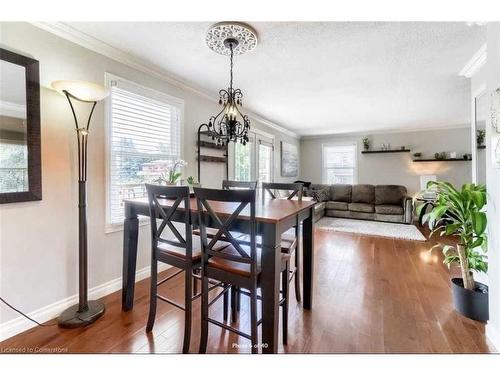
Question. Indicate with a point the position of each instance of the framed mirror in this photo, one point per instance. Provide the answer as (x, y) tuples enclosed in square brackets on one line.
[(20, 160)]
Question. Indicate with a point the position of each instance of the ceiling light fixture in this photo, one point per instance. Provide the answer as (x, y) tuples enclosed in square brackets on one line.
[(230, 125)]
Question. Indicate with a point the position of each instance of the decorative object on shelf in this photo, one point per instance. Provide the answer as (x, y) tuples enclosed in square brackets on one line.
[(85, 312), (495, 110), (480, 136), (403, 148), (462, 213), (289, 160), (467, 156), (386, 146), (366, 143), (440, 155), (229, 125), (172, 176), (453, 155), (417, 155)]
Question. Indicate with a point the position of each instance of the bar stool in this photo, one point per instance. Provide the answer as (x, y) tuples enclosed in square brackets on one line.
[(289, 239), (183, 252), (237, 264)]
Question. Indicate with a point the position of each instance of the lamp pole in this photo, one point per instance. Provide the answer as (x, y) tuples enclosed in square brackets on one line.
[(85, 312)]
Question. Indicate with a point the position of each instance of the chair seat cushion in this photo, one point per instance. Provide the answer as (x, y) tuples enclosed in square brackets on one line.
[(389, 209), (361, 207), (334, 205), (167, 249), (242, 269)]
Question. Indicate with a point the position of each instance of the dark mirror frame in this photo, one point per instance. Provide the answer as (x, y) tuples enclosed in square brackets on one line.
[(32, 129)]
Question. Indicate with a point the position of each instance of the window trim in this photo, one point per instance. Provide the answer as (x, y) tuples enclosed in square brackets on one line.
[(147, 91), (339, 144)]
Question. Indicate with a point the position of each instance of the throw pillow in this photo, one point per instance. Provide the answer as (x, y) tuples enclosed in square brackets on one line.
[(321, 195)]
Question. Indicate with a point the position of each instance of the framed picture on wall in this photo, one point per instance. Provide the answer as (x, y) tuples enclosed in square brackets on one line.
[(289, 160), (495, 110)]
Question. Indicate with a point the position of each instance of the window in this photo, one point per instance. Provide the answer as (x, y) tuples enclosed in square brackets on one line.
[(254, 161), (13, 166), (339, 164), (243, 161), (144, 141)]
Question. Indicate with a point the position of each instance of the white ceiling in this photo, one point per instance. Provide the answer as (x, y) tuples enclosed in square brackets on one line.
[(319, 78)]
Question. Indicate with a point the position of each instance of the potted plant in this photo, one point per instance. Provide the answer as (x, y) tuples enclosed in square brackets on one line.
[(417, 155), (480, 135), (172, 174), (461, 213), (366, 143)]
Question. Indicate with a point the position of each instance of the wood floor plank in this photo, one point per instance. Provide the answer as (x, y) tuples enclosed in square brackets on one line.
[(372, 295)]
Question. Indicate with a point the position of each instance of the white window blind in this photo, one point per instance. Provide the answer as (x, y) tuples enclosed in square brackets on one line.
[(144, 142), (339, 164)]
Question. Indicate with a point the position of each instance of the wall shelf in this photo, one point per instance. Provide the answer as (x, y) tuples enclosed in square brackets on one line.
[(207, 144), (445, 160), (384, 151), (213, 159)]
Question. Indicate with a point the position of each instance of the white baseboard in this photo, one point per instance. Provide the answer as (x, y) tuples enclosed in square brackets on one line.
[(493, 335), (21, 324)]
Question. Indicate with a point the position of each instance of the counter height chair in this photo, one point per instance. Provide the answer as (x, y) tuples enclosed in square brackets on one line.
[(289, 239), (182, 252), (238, 264)]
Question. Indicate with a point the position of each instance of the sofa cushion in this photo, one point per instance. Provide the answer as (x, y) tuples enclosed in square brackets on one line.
[(333, 205), (389, 209), (319, 206), (313, 188), (361, 207), (340, 193), (390, 194), (363, 194), (321, 195)]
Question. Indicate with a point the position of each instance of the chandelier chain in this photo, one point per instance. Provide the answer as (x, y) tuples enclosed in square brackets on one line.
[(231, 66)]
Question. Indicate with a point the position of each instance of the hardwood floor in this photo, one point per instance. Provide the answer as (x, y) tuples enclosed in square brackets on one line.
[(371, 295)]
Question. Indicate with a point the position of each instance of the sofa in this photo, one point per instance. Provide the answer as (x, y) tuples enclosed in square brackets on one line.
[(388, 203)]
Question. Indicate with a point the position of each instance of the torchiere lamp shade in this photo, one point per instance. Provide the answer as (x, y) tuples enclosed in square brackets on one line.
[(81, 90)]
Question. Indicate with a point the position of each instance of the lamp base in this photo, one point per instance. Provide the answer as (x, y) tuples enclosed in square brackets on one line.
[(72, 318)]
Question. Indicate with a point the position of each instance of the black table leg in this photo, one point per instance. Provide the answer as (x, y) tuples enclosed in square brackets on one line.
[(308, 259), (130, 234), (423, 211), (270, 287)]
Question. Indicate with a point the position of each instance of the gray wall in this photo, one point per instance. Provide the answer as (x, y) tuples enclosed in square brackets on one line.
[(396, 168), (38, 240)]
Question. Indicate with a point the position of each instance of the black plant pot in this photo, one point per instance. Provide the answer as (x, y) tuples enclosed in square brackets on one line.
[(471, 303)]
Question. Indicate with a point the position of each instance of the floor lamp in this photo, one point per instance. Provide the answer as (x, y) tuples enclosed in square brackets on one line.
[(85, 312)]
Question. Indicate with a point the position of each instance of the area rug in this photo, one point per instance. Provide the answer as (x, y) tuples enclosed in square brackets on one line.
[(371, 228)]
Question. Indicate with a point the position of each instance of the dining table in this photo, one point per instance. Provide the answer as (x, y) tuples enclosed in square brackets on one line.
[(273, 218)]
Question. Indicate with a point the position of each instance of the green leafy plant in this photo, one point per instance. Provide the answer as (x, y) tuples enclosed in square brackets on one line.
[(191, 180), (461, 213), (480, 135), (366, 143), (172, 175)]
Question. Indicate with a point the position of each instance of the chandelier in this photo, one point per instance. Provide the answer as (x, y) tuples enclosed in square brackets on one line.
[(230, 125)]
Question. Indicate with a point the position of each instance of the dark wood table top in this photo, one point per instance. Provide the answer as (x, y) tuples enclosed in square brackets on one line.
[(269, 211)]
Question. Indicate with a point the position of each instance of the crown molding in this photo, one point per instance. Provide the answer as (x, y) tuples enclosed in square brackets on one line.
[(383, 131), (475, 63), (75, 36)]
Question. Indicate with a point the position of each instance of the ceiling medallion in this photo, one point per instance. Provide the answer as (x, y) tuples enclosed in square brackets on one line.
[(219, 33)]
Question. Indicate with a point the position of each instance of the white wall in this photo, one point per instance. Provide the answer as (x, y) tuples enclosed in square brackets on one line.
[(38, 240), (396, 168), (493, 187)]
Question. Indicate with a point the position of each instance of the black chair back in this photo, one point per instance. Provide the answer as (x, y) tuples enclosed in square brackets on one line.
[(231, 184), (179, 194), (205, 200), (274, 189)]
